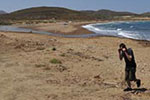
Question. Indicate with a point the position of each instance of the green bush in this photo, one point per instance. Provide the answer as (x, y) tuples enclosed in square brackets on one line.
[(5, 23), (55, 61)]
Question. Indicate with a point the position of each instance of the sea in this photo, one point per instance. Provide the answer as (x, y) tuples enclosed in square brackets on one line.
[(139, 30)]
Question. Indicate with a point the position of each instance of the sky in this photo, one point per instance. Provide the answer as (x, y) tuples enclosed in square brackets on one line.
[(137, 6)]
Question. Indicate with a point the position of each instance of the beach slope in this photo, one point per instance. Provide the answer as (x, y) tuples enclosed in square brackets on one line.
[(41, 67)]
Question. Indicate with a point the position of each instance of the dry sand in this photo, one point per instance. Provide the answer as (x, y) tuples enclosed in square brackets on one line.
[(89, 68), (61, 27)]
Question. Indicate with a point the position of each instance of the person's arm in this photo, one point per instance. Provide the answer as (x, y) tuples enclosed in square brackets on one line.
[(129, 57), (120, 54)]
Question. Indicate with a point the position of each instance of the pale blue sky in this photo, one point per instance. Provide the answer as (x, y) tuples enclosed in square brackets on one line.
[(137, 6)]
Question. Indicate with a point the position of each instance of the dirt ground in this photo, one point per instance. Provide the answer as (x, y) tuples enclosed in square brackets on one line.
[(84, 69)]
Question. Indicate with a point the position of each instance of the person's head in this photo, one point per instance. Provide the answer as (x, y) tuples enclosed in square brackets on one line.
[(122, 45)]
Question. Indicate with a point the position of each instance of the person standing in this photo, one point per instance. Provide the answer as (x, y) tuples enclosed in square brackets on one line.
[(130, 67)]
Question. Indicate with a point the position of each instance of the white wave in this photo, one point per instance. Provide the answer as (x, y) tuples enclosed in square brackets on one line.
[(101, 31), (119, 29), (91, 28), (117, 32), (131, 26), (128, 35)]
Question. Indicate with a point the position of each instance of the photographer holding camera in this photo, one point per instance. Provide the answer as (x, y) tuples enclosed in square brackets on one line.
[(130, 67)]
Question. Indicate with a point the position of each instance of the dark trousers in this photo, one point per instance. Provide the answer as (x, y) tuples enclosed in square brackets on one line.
[(130, 74)]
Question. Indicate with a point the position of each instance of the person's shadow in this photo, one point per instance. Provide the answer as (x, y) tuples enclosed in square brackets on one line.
[(138, 90)]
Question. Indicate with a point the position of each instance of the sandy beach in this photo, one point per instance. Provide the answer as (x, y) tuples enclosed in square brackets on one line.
[(68, 28), (42, 67)]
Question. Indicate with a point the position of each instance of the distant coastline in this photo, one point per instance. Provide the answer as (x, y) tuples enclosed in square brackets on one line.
[(73, 29)]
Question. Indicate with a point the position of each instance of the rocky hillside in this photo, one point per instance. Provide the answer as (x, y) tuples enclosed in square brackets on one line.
[(37, 13)]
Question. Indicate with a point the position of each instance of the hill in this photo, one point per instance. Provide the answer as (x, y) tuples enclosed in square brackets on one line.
[(2, 12), (58, 13), (45, 13), (108, 14), (147, 14)]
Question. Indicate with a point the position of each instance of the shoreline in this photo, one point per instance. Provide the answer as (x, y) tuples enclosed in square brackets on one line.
[(72, 28), (68, 28), (63, 27), (76, 30)]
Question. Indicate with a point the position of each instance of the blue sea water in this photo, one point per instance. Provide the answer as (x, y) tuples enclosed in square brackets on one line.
[(135, 30)]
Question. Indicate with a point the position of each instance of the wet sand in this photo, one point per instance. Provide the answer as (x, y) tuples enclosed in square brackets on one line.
[(42, 67)]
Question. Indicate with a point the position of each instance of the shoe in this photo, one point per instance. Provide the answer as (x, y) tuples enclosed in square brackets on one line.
[(138, 83), (128, 89)]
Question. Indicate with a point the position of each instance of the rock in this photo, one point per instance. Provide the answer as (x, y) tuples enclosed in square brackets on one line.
[(97, 77), (61, 68), (54, 49)]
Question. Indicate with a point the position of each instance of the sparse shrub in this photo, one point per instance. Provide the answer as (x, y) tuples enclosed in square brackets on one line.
[(63, 55), (39, 65), (55, 61), (40, 48), (5, 23)]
